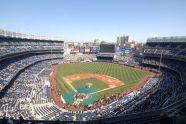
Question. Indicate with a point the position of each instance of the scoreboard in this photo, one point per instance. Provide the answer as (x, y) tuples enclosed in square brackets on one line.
[(107, 48)]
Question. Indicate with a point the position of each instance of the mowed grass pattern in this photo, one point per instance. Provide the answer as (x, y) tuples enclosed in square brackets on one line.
[(127, 75), (96, 84)]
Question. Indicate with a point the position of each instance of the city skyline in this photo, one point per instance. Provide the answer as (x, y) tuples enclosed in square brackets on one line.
[(97, 19)]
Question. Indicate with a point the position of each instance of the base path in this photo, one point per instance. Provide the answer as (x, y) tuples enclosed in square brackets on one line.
[(70, 85), (100, 91)]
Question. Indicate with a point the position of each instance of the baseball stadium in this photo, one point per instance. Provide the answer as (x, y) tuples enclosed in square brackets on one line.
[(93, 62), (42, 81)]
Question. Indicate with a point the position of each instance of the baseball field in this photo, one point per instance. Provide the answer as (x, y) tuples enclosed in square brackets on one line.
[(98, 79)]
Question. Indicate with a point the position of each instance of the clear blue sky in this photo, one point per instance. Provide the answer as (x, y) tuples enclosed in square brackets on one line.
[(86, 20)]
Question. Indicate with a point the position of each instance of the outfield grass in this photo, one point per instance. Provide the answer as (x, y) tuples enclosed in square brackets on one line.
[(96, 84), (127, 75)]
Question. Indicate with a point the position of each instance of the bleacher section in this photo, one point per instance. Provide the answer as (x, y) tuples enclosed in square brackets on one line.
[(171, 48), (165, 54), (16, 56), (11, 47), (23, 77)]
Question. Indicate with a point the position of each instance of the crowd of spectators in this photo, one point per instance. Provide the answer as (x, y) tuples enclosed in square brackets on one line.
[(15, 45), (7, 73), (79, 57), (174, 50), (25, 96)]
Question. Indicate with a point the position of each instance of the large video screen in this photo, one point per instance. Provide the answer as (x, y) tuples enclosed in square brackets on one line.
[(107, 48)]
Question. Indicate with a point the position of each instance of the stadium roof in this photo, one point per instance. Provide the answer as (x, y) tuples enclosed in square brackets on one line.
[(167, 39), (6, 33)]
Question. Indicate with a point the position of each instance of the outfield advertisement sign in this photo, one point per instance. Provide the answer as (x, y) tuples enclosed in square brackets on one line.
[(124, 50)]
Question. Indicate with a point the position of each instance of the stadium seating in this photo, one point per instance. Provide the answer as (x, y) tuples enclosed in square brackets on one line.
[(23, 77), (174, 50), (16, 45)]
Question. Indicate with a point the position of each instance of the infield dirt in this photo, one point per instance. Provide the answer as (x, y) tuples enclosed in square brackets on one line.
[(112, 82)]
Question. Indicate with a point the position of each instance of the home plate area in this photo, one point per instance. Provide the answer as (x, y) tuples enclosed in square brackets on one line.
[(85, 87)]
